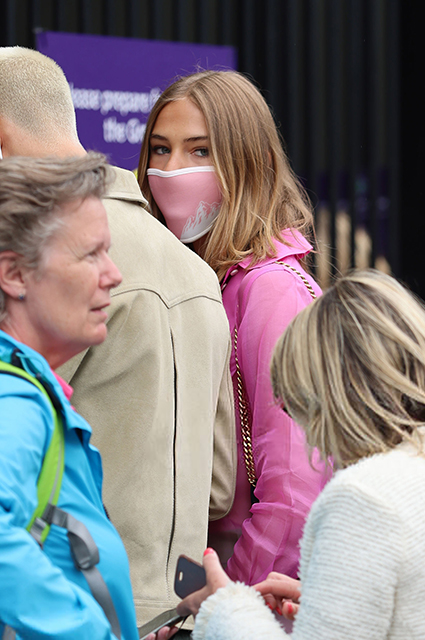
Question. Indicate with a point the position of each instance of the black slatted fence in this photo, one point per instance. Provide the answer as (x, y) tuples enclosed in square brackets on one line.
[(328, 68)]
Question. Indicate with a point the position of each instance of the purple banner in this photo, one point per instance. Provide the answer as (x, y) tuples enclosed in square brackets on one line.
[(116, 81)]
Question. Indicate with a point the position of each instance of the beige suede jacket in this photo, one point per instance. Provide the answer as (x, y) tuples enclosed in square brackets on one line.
[(158, 396)]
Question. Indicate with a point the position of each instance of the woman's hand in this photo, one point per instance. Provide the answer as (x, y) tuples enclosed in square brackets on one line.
[(281, 593), (163, 634), (216, 578)]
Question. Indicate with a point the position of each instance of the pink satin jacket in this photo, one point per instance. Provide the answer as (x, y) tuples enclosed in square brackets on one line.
[(263, 536)]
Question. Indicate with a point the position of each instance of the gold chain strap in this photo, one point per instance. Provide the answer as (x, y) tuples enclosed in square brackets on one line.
[(242, 399), (244, 418), (303, 278)]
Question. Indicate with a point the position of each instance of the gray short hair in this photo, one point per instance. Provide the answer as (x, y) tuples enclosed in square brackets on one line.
[(32, 194), (350, 368)]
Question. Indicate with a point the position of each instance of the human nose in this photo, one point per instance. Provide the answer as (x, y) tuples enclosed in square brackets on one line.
[(111, 276), (175, 160)]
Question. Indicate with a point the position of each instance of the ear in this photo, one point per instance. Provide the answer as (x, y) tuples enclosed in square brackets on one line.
[(12, 274)]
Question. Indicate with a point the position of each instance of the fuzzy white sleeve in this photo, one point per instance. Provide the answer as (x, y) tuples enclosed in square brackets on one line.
[(350, 557), (236, 612)]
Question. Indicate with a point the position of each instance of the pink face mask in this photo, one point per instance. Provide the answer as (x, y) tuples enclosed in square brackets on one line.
[(189, 200)]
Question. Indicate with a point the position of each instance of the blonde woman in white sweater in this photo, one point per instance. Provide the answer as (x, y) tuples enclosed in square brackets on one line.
[(351, 370)]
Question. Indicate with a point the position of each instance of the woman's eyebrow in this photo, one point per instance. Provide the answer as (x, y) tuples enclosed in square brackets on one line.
[(195, 138), (158, 136)]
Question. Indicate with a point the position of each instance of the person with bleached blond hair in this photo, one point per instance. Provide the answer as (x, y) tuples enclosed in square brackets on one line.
[(37, 115), (158, 391)]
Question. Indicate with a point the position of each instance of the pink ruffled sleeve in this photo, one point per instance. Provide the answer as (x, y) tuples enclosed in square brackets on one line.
[(287, 484)]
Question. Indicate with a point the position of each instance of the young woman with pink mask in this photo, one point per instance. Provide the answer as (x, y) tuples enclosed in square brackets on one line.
[(214, 171)]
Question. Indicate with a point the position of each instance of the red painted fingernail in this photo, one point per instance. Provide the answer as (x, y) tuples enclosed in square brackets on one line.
[(208, 551), (269, 606), (290, 608), (279, 611)]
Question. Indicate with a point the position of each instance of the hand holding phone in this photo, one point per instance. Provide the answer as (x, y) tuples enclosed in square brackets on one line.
[(164, 619), (191, 581), (190, 576)]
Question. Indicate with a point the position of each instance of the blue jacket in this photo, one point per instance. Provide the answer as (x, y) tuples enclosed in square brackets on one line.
[(42, 594)]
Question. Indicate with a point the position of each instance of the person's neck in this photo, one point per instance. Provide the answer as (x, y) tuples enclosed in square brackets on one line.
[(64, 149), (22, 330), (60, 148), (16, 141), (199, 245)]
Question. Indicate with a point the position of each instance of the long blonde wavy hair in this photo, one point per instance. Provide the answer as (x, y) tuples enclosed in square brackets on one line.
[(261, 196)]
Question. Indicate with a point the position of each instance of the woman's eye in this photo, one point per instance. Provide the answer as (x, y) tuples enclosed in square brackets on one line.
[(160, 150), (203, 153)]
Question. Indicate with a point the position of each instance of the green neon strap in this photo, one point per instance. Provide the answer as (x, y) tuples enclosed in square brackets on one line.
[(50, 477)]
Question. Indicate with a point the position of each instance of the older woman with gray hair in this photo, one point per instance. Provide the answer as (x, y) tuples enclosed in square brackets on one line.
[(64, 570), (350, 369)]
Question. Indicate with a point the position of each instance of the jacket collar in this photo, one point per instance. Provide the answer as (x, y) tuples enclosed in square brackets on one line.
[(34, 363), (125, 187), (297, 246)]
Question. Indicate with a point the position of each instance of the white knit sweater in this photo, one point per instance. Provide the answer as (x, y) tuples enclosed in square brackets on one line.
[(362, 562)]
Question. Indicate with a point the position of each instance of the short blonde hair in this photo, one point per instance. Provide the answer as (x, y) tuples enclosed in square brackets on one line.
[(350, 368), (35, 95), (32, 192), (261, 194)]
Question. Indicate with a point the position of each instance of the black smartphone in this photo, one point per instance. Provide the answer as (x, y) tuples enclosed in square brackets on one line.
[(190, 576), (165, 619)]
